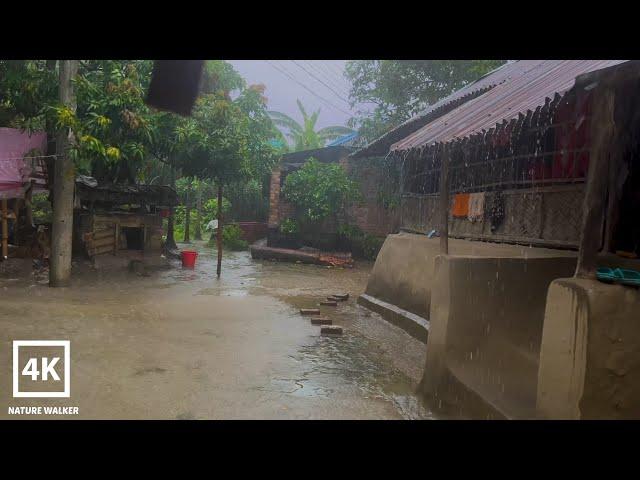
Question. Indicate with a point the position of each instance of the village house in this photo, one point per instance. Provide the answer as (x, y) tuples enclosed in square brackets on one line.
[(493, 189)]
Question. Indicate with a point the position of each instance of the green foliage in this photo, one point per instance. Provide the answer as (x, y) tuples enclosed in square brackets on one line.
[(210, 209), (112, 125), (289, 226), (26, 88), (230, 238), (209, 212), (249, 200), (227, 140), (402, 88), (320, 190), (361, 244), (305, 136), (41, 208)]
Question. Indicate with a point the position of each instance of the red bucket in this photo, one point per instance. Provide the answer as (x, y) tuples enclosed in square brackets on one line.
[(189, 258)]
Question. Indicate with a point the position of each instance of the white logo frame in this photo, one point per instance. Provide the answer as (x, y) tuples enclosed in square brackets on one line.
[(42, 343)]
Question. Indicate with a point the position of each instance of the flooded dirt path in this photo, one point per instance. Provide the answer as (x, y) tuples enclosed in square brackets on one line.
[(181, 344)]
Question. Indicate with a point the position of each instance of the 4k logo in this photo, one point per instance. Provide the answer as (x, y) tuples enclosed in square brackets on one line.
[(41, 368)]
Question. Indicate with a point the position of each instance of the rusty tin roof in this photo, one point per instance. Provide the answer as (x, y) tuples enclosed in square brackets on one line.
[(518, 87)]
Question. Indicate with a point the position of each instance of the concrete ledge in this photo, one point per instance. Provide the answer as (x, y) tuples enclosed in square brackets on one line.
[(413, 324)]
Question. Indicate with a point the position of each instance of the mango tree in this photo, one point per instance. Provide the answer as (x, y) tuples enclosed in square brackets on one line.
[(226, 140)]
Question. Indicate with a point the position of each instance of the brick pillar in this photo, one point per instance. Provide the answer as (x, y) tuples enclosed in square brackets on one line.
[(274, 199)]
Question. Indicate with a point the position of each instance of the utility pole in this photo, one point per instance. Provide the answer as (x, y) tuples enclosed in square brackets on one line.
[(63, 188)]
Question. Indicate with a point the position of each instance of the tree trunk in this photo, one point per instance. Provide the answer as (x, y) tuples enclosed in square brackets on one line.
[(187, 216), (62, 224), (198, 233), (28, 203), (219, 230), (171, 241)]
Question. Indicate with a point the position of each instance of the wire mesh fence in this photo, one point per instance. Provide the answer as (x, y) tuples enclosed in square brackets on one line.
[(521, 182)]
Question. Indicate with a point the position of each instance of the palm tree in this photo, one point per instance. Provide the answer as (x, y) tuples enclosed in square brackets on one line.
[(305, 136)]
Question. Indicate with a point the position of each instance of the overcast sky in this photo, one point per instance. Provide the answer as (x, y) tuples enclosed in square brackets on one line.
[(319, 84)]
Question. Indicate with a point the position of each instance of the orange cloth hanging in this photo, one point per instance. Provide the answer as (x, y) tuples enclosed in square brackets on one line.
[(460, 205)]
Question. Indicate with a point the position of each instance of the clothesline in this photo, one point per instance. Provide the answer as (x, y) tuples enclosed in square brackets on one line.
[(28, 158)]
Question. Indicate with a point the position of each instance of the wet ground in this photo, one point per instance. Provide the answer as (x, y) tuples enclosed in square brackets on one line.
[(181, 344)]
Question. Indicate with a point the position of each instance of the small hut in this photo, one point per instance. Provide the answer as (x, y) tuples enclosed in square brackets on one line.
[(120, 220)]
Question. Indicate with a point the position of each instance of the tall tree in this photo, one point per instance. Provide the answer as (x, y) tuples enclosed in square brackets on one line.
[(62, 224), (399, 89), (304, 135), (226, 140)]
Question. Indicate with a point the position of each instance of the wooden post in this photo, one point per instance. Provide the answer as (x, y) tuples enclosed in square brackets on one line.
[(219, 238), (28, 199), (187, 216), (444, 202), (5, 230), (198, 229), (116, 246), (171, 242), (64, 184), (594, 206)]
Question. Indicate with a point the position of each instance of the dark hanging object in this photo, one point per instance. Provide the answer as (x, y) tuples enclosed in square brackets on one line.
[(494, 210), (175, 85)]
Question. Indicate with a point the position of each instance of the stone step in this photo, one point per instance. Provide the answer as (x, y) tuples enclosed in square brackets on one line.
[(336, 299), (310, 311), (331, 330), (321, 321), (341, 296)]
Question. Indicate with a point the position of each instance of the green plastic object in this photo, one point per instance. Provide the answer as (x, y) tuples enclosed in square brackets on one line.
[(627, 277), (619, 275), (605, 274)]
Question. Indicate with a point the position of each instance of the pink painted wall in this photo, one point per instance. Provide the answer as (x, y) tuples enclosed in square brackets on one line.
[(15, 171)]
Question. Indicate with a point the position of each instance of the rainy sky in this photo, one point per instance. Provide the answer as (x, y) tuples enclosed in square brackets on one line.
[(317, 83)]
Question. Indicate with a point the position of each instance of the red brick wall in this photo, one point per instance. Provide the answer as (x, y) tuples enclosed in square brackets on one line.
[(370, 216)]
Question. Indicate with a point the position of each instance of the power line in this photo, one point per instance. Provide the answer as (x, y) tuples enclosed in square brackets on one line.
[(335, 73), (323, 83), (333, 68), (291, 77), (328, 77)]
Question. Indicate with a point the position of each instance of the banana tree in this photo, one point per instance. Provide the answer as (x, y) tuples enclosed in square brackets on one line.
[(304, 135)]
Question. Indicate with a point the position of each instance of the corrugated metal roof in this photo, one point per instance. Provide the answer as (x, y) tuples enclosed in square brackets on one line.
[(506, 72), (525, 86)]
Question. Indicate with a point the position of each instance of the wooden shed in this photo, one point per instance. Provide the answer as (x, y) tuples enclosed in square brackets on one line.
[(121, 220)]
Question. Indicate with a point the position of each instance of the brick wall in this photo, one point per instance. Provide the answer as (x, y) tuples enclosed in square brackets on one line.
[(370, 216)]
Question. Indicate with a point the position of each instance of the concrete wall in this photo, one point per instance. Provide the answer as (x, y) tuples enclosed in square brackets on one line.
[(403, 274), (590, 354), (486, 323), (548, 216)]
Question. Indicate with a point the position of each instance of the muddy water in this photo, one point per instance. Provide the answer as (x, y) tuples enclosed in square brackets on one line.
[(183, 344)]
